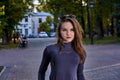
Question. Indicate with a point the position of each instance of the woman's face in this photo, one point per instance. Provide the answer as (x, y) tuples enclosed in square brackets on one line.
[(67, 32)]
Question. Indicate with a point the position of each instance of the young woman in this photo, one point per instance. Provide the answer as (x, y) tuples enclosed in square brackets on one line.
[(67, 56)]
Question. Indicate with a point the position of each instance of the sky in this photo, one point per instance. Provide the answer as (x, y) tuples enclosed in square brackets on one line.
[(35, 1)]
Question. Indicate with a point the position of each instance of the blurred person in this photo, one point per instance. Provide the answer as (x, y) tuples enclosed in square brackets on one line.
[(20, 38), (67, 56), (23, 41)]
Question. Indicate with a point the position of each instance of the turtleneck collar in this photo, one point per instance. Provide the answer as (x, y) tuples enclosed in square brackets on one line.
[(67, 44)]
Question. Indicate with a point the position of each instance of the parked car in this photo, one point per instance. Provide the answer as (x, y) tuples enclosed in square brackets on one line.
[(52, 34), (32, 36), (43, 34)]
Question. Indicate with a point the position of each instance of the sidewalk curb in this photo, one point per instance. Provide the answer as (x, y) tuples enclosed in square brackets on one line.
[(2, 71)]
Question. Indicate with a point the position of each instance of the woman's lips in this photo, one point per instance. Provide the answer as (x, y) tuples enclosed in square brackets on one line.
[(68, 37)]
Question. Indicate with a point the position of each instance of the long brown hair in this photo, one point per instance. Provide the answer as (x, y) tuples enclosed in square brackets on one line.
[(77, 41)]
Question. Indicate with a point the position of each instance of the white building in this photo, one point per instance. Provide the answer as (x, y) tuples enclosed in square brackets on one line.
[(30, 24), (38, 18), (36, 4), (25, 25)]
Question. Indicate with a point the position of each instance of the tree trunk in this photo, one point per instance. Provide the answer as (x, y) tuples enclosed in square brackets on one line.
[(100, 33), (112, 28), (83, 26), (5, 37)]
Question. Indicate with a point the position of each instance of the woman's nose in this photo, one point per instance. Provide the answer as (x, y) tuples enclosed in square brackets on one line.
[(68, 32)]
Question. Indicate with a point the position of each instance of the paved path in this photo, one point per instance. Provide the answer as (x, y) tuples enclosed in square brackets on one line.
[(102, 63)]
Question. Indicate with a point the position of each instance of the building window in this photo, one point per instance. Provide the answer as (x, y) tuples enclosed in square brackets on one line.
[(20, 31), (40, 20), (26, 19), (26, 31)]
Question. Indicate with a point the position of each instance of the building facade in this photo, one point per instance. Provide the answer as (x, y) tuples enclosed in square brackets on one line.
[(30, 24)]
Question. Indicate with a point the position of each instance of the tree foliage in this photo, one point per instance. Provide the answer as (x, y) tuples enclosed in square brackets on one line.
[(62, 7), (49, 20), (44, 27), (105, 10), (14, 12), (101, 12)]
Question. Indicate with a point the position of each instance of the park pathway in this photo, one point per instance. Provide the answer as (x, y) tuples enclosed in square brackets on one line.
[(102, 63)]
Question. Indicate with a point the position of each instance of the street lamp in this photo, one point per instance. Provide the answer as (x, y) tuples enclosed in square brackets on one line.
[(91, 31), (89, 4)]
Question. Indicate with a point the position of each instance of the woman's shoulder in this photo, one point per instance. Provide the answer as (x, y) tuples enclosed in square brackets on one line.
[(52, 46)]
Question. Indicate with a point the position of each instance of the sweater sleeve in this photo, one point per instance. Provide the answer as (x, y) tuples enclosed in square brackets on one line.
[(44, 65), (80, 75)]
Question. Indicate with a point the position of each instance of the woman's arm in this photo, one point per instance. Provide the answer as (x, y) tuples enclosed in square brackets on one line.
[(80, 75), (44, 65)]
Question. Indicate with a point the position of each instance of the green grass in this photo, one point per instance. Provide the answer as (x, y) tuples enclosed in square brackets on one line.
[(104, 40), (9, 46), (1, 68)]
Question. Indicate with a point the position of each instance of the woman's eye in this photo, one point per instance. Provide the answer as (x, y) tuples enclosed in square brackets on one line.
[(64, 30), (72, 29)]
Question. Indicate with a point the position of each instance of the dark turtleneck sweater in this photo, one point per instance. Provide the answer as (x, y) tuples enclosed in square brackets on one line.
[(65, 64)]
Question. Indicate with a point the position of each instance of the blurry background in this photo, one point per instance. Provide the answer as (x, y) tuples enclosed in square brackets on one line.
[(99, 19)]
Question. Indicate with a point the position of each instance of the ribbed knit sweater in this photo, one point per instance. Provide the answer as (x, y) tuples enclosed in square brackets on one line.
[(65, 64)]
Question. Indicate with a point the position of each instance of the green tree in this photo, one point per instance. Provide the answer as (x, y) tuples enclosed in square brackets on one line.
[(104, 10), (44, 27), (14, 12), (99, 13), (49, 20), (62, 7)]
